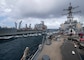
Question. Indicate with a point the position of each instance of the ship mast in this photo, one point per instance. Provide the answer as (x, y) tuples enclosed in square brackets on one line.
[(70, 12)]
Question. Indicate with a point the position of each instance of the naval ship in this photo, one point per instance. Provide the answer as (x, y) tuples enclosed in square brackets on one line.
[(7, 33), (58, 46)]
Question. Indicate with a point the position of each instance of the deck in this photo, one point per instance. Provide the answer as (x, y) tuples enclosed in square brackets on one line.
[(53, 50)]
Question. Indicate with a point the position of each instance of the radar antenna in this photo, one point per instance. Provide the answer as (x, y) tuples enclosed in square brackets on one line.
[(70, 12)]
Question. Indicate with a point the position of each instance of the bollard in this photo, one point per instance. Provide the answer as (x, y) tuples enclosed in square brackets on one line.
[(75, 45), (25, 53), (48, 42), (45, 57), (73, 52), (40, 47)]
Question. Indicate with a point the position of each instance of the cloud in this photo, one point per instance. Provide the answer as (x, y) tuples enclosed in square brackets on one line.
[(50, 22), (37, 8), (34, 8), (34, 11)]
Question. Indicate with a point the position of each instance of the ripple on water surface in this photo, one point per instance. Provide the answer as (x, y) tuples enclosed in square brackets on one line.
[(13, 49)]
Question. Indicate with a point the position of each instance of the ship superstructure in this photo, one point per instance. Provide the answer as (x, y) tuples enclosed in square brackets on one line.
[(71, 25), (40, 26), (19, 29)]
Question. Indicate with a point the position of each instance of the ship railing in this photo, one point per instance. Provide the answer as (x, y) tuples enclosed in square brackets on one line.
[(40, 47), (25, 53), (34, 57)]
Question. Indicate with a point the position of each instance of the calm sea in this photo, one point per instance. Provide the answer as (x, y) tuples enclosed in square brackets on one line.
[(13, 49)]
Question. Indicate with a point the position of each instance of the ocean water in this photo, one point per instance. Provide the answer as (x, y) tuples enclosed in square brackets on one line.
[(13, 49)]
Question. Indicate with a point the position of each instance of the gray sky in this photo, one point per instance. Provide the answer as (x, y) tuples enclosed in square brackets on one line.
[(34, 11)]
